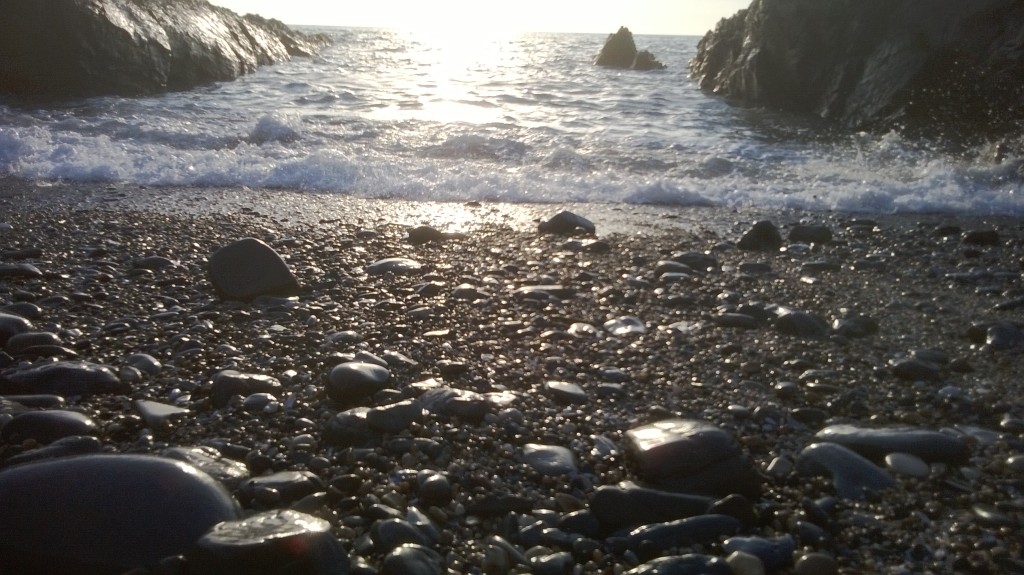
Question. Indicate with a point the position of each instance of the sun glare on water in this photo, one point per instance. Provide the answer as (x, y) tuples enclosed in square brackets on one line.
[(449, 59)]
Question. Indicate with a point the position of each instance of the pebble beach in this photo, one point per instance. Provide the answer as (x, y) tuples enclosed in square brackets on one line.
[(429, 388)]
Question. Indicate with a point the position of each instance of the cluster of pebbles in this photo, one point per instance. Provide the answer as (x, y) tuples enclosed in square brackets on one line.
[(813, 394)]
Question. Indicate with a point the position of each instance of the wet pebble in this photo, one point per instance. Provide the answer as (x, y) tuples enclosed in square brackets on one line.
[(629, 505), (566, 393), (47, 426), (853, 476), (396, 266), (774, 553), (65, 378), (271, 542), (907, 465), (566, 222)]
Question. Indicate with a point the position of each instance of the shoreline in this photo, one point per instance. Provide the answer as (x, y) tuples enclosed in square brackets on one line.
[(709, 351)]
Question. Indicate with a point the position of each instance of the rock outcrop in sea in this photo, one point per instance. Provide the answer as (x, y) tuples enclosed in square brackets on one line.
[(620, 51), (80, 48), (875, 64)]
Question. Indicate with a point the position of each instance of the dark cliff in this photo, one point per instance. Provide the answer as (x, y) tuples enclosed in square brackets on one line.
[(57, 49), (950, 65)]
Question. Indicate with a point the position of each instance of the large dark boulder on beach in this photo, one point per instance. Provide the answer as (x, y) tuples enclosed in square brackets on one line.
[(620, 51), (77, 48), (944, 64)]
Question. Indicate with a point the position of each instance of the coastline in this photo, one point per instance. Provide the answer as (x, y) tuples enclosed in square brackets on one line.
[(772, 390)]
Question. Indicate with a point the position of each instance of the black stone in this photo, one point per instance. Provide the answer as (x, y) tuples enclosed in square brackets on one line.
[(763, 236), (876, 443), (47, 426), (104, 514), (853, 476), (229, 383), (567, 223), (628, 505), (64, 378), (249, 268)]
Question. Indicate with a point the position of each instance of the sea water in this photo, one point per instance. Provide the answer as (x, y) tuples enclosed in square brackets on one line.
[(478, 117)]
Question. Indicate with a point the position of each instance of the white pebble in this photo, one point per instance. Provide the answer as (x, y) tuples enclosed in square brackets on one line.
[(907, 465)]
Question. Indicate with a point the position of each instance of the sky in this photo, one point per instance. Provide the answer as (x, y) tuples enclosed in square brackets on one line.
[(683, 17)]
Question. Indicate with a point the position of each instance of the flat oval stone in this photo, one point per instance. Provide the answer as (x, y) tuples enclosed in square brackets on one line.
[(626, 325), (19, 342), (228, 383), (690, 564), (248, 268), (20, 270), (692, 456), (395, 417), (210, 461), (291, 485), (47, 426), (852, 475), (876, 443), (64, 378), (565, 392), (628, 505), (270, 542), (11, 325), (566, 222), (105, 513), (699, 529), (802, 324), (355, 380), (63, 447), (395, 266), (552, 460), (774, 553)]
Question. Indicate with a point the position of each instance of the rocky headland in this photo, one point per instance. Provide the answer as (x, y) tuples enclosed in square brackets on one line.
[(947, 67), (64, 49), (189, 390)]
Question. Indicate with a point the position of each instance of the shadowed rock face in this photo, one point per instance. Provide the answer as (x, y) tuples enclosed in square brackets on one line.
[(620, 51), (873, 63), (77, 48)]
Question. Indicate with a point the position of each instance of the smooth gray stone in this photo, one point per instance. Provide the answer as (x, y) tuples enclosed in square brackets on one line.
[(158, 415), (566, 222), (857, 326), (544, 292), (24, 309), (210, 461), (628, 505), (672, 267), (292, 485), (763, 236), (278, 542), (774, 553), (916, 370), (396, 417), (698, 261), (154, 263), (388, 534), (37, 401), (853, 476), (699, 529), (412, 559), (47, 426), (552, 460), (565, 392), (19, 271), (690, 564), (876, 443), (229, 383), (557, 563), (353, 381), (397, 266), (145, 363), (20, 342), (63, 447), (691, 456), (802, 324), (64, 378), (248, 268), (104, 514)]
